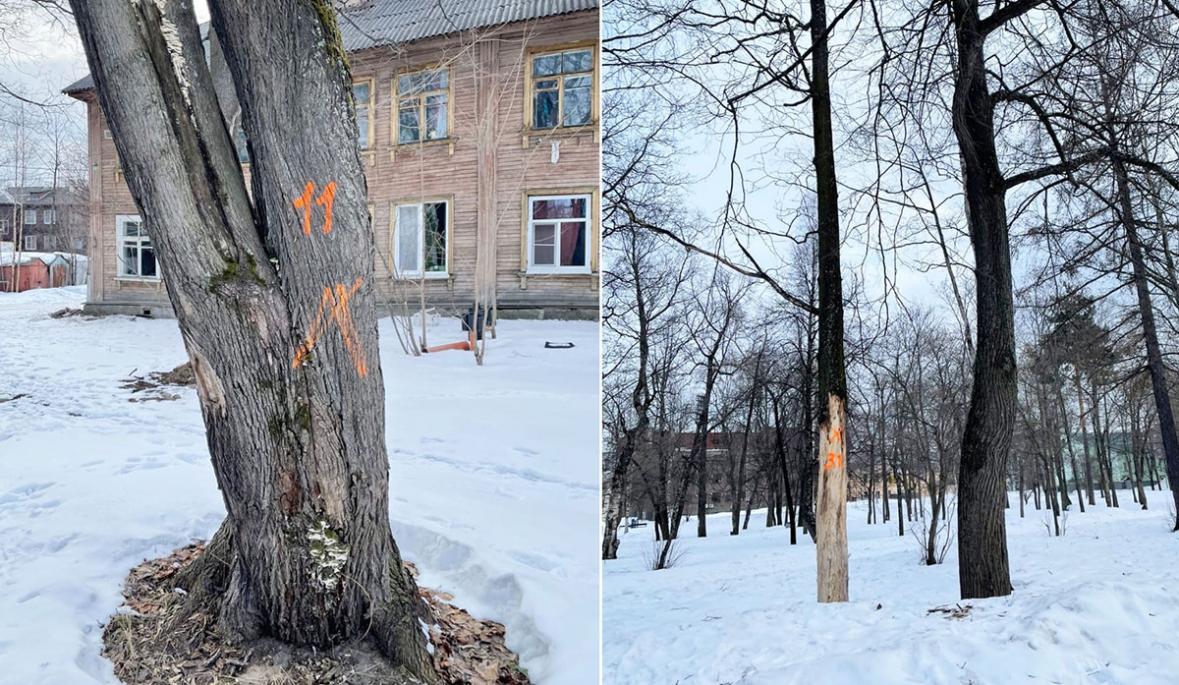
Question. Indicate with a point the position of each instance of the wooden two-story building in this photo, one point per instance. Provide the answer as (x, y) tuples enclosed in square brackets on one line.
[(474, 117)]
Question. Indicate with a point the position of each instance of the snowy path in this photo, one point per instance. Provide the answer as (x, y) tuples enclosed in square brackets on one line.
[(1099, 605), (494, 477)]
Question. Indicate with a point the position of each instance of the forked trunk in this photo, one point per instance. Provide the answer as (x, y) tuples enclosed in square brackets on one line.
[(275, 303)]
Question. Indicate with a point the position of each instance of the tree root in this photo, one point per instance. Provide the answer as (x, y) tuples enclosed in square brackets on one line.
[(172, 629)]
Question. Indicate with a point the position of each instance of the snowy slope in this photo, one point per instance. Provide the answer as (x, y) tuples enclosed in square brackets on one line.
[(1099, 605), (494, 476)]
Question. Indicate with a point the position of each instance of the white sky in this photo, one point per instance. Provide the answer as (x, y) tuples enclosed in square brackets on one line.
[(40, 56)]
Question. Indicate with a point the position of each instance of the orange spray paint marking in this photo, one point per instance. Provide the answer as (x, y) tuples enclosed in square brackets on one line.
[(326, 200), (333, 307), (303, 202), (835, 443)]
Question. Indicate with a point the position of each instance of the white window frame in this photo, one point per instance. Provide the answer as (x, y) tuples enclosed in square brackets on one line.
[(534, 268), (421, 238), (121, 240), (48, 217), (30, 216), (30, 243)]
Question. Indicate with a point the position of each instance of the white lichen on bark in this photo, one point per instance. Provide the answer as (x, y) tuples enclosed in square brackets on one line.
[(328, 554)]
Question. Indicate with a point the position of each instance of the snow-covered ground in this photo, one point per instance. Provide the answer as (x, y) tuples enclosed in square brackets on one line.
[(494, 482), (1099, 605)]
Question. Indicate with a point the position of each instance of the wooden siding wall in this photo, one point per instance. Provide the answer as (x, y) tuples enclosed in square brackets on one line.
[(486, 66)]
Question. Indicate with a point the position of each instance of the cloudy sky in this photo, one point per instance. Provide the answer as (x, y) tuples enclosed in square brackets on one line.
[(40, 54)]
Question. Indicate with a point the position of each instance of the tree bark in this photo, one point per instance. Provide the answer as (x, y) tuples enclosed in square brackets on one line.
[(276, 305), (1154, 356), (1084, 437), (831, 536), (983, 568)]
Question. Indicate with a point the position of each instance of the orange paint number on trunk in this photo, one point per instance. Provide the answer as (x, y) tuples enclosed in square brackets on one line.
[(326, 200)]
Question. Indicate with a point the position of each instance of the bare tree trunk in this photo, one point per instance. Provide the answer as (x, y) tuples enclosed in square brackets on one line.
[(276, 306), (983, 568), (1068, 441), (1084, 436), (780, 448), (1021, 498), (832, 483), (1154, 357)]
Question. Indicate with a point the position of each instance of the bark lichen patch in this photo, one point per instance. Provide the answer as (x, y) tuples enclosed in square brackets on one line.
[(334, 42), (243, 270), (329, 554), (303, 416)]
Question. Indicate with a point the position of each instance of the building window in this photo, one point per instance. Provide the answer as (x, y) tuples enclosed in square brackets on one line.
[(48, 216), (30, 243), (79, 245), (3, 228), (558, 234), (30, 216), (362, 96), (137, 257), (423, 106), (421, 234), (562, 88)]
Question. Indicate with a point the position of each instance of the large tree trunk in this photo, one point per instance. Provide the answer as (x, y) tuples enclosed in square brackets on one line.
[(275, 303), (831, 536), (986, 441)]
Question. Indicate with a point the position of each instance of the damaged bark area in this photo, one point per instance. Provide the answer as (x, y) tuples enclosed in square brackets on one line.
[(161, 635), (832, 504)]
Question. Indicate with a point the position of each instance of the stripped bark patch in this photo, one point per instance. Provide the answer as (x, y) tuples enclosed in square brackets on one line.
[(157, 637)]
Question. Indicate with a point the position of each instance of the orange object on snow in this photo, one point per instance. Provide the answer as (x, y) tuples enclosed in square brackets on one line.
[(464, 345)]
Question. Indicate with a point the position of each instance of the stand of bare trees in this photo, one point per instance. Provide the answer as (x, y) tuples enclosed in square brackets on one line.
[(964, 129)]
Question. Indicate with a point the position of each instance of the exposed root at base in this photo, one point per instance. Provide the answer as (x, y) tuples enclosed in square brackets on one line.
[(161, 635)]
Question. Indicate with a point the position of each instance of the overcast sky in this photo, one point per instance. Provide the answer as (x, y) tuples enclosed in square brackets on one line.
[(48, 55), (39, 56)]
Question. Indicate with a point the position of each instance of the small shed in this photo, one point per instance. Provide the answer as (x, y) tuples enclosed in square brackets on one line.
[(31, 270)]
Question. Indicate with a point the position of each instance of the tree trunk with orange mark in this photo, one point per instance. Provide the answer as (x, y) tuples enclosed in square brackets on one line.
[(274, 297), (831, 503)]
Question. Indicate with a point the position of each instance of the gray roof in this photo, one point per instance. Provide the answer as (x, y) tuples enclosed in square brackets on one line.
[(80, 86), (35, 195), (373, 23)]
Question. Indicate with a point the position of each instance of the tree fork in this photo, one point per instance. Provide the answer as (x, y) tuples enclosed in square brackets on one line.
[(278, 319)]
